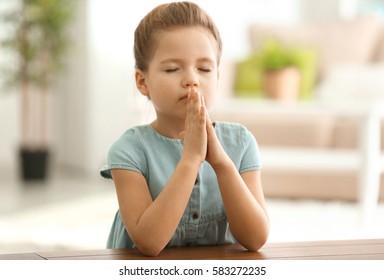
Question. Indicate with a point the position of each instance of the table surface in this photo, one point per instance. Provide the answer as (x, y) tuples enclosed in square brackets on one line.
[(366, 249)]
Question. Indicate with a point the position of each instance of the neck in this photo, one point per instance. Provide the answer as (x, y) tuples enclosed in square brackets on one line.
[(169, 128)]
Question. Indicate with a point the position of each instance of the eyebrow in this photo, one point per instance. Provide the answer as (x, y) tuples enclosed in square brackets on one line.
[(178, 60)]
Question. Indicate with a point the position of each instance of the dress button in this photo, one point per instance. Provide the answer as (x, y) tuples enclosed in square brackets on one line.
[(195, 215)]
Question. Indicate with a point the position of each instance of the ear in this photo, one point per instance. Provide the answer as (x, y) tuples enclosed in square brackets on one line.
[(141, 83)]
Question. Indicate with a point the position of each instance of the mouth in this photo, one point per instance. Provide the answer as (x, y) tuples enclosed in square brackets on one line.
[(184, 97)]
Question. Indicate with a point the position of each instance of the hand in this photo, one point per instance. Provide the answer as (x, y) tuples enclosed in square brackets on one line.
[(195, 134), (215, 152)]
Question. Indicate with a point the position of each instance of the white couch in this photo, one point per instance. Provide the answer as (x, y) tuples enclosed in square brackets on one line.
[(293, 139)]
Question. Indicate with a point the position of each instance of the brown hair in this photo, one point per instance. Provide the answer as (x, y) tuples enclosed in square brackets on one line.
[(167, 16)]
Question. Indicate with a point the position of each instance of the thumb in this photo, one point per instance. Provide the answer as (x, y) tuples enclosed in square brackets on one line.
[(181, 135)]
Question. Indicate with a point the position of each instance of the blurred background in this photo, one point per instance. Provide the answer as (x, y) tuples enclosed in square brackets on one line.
[(310, 136)]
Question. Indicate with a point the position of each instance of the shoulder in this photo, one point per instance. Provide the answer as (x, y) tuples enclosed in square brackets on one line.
[(232, 131), (129, 144), (126, 152), (135, 132), (229, 126), (240, 145), (130, 137)]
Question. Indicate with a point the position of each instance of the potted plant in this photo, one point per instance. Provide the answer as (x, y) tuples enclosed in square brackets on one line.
[(38, 42), (281, 76)]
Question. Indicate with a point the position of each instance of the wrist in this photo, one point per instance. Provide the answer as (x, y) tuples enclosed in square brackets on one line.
[(221, 166), (191, 161)]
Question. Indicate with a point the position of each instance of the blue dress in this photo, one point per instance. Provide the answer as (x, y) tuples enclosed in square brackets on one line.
[(204, 222)]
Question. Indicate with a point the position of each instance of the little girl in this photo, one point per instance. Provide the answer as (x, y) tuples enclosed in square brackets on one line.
[(183, 180)]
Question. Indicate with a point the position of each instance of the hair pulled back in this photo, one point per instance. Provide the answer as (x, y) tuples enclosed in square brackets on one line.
[(165, 17)]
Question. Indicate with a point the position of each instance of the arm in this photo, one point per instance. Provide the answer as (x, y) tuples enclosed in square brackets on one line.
[(244, 205), (152, 223), (242, 196)]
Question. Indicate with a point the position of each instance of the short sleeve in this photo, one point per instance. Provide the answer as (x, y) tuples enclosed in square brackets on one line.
[(125, 153), (251, 154)]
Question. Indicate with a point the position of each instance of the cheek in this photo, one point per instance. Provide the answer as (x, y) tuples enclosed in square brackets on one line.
[(163, 84)]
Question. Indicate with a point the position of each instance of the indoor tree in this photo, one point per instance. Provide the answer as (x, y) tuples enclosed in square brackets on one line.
[(38, 42)]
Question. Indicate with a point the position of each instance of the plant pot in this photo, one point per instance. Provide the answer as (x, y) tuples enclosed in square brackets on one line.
[(33, 164), (282, 84)]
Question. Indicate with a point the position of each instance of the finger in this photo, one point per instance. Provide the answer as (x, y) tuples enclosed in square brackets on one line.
[(190, 106), (208, 119), (197, 100), (181, 135), (203, 102), (189, 101), (203, 116)]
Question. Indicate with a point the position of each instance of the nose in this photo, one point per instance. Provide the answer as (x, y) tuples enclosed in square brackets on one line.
[(190, 80)]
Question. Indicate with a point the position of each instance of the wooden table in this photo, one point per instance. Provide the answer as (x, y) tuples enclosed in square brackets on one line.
[(368, 249)]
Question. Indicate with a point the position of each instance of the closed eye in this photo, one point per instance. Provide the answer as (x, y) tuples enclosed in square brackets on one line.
[(205, 69), (171, 70)]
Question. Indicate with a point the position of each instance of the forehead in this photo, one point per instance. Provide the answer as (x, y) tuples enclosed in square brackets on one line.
[(188, 42)]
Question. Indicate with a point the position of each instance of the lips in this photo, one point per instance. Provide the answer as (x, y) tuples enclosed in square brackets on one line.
[(184, 97)]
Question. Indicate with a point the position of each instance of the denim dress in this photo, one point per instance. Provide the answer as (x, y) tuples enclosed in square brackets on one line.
[(204, 222)]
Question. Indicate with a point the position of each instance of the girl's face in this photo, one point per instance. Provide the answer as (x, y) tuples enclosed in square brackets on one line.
[(183, 59)]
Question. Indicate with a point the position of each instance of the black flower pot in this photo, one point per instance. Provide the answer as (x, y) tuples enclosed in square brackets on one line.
[(33, 164)]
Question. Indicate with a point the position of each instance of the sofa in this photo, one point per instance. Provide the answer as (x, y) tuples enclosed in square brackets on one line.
[(349, 69)]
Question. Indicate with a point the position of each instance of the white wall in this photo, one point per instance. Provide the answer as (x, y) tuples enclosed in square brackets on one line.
[(97, 100), (71, 117), (9, 110), (9, 118)]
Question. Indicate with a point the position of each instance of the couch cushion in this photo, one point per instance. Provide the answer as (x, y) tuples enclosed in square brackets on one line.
[(288, 130), (336, 42), (352, 82)]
